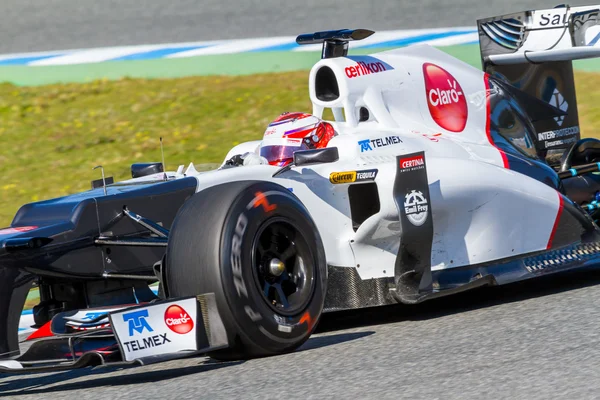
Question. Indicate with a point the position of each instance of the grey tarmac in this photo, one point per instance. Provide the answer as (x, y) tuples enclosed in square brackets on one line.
[(40, 25), (534, 340)]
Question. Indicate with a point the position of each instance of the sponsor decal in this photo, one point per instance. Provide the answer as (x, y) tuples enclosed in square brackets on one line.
[(559, 133), (147, 342), (294, 142), (372, 144), (353, 176), (137, 322), (416, 207), (150, 331), (412, 163), (567, 133), (236, 255), (362, 68), (342, 177), (178, 320), (557, 100), (93, 315), (18, 229), (366, 175), (445, 98), (549, 20), (366, 65)]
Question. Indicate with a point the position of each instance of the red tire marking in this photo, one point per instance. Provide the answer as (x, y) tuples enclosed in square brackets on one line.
[(308, 319), (261, 200)]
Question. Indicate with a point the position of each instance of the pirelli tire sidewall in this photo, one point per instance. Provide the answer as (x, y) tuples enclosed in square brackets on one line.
[(257, 322)]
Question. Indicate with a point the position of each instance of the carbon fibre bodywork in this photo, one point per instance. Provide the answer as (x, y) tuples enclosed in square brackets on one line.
[(67, 229)]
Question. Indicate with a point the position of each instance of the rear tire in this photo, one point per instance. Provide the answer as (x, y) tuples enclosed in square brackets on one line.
[(228, 240)]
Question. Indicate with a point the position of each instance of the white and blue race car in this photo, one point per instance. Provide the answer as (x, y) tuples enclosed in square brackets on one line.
[(439, 178)]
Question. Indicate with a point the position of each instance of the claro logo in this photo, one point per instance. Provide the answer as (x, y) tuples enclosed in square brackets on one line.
[(445, 98), (178, 320)]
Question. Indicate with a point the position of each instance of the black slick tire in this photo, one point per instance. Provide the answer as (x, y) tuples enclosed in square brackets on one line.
[(217, 245)]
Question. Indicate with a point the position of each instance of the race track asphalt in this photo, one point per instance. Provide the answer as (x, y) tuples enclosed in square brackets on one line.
[(36, 25), (534, 340)]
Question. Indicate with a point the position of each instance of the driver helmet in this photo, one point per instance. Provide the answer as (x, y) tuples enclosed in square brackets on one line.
[(293, 131)]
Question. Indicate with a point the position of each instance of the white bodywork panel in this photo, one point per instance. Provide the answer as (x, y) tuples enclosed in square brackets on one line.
[(481, 210)]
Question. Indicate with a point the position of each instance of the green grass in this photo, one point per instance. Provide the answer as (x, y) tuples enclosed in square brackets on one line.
[(52, 136)]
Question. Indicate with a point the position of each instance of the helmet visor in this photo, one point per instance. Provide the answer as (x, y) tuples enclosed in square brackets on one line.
[(278, 155), (281, 151)]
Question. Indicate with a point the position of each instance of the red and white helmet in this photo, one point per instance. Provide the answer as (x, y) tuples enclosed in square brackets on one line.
[(291, 132)]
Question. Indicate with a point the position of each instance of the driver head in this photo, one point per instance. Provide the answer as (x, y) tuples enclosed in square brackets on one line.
[(292, 132)]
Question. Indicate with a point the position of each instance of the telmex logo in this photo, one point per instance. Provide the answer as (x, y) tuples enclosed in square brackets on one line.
[(362, 68), (178, 320), (411, 162), (137, 321), (445, 98), (370, 144)]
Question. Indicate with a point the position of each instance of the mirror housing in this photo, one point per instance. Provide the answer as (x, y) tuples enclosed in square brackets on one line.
[(144, 169), (316, 156)]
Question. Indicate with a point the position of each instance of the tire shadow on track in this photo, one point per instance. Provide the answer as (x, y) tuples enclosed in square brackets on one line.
[(478, 299), (31, 384), (316, 342), (467, 301)]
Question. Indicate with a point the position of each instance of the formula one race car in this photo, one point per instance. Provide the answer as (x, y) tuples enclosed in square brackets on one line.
[(436, 178)]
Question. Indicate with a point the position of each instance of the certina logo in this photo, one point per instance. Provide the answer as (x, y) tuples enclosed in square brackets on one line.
[(558, 101), (137, 322), (445, 98), (412, 162), (415, 207), (371, 144), (178, 320), (353, 176)]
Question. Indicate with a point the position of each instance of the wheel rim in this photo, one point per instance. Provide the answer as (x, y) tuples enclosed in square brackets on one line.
[(285, 288)]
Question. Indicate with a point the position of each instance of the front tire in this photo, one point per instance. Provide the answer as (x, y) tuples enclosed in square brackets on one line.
[(256, 247)]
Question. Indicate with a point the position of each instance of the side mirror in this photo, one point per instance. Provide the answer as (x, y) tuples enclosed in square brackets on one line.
[(307, 157), (144, 169), (317, 156)]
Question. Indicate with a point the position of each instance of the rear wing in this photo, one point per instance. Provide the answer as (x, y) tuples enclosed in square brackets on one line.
[(533, 50), (559, 34)]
